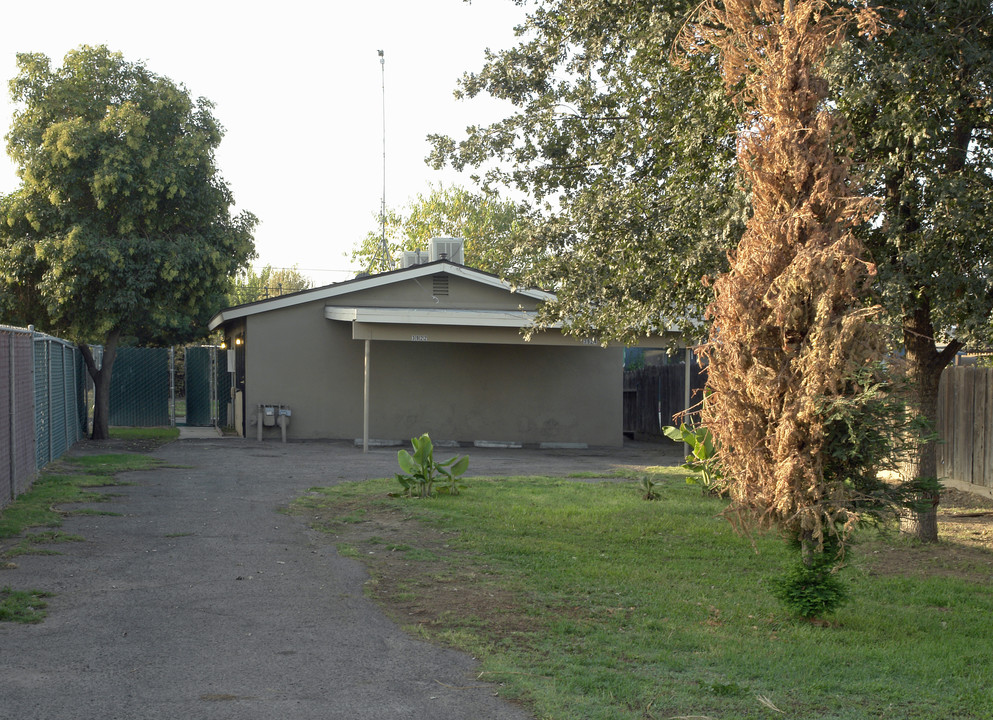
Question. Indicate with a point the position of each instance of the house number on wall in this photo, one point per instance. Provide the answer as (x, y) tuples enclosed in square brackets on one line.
[(419, 338)]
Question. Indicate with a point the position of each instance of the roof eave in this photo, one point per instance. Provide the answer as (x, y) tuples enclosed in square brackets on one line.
[(372, 281)]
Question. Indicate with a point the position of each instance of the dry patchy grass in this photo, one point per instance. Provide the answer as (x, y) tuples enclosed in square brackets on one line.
[(964, 550)]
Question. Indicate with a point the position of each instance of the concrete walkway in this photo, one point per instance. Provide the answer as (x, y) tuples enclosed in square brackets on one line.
[(198, 433), (204, 601)]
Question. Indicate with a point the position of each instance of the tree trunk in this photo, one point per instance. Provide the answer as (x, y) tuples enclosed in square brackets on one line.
[(101, 383), (925, 365), (807, 548)]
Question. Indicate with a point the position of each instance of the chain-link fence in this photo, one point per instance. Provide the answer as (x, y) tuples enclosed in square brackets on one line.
[(45, 396), (17, 439), (140, 387), (42, 405), (152, 387), (199, 386), (206, 385), (59, 391)]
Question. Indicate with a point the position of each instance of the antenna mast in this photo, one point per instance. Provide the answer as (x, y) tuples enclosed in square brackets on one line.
[(384, 249)]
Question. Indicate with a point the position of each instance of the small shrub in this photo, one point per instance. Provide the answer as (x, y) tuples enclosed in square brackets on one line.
[(422, 476), (811, 591)]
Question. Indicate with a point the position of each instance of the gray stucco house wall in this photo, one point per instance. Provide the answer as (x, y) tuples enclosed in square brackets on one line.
[(445, 354)]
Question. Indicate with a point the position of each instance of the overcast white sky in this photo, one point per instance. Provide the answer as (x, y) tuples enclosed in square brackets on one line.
[(297, 85)]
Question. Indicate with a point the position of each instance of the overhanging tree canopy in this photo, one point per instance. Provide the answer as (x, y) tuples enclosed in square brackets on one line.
[(634, 161), (122, 225), (919, 99), (630, 159)]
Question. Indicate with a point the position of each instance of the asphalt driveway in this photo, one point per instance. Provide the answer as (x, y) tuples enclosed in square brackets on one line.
[(204, 601)]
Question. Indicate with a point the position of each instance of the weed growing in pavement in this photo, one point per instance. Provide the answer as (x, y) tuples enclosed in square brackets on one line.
[(23, 606), (29, 544), (51, 498)]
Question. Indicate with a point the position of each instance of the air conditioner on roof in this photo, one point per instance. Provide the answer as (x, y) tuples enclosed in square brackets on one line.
[(446, 248), (414, 257)]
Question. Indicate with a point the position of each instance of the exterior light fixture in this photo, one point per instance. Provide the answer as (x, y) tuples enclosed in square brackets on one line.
[(238, 341)]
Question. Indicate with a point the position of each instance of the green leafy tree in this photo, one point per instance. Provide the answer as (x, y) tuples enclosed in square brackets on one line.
[(919, 99), (490, 227), (631, 161), (250, 286), (121, 226)]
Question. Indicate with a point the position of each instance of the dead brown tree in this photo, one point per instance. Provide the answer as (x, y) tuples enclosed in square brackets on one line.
[(789, 332)]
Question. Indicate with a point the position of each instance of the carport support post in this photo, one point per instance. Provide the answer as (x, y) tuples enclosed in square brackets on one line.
[(365, 402)]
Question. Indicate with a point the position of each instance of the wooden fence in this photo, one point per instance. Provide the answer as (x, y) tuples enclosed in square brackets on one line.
[(653, 395), (965, 426), (965, 416)]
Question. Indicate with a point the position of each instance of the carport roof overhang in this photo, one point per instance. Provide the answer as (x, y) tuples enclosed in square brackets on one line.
[(503, 327), (432, 316), (449, 325)]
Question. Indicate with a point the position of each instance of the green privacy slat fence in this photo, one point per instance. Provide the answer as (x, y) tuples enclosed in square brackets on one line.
[(139, 388), (199, 386), (223, 387), (207, 384), (59, 385), (42, 396), (58, 412)]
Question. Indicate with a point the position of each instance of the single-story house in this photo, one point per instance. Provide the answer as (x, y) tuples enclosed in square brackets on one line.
[(436, 348)]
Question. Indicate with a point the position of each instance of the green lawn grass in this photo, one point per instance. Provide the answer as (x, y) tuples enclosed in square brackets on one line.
[(627, 609)]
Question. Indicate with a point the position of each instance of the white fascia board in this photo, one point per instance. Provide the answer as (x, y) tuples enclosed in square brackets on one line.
[(419, 271), (373, 281), (218, 320), (432, 316), (494, 281)]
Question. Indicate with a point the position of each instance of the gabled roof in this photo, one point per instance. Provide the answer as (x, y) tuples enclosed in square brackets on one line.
[(368, 283)]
